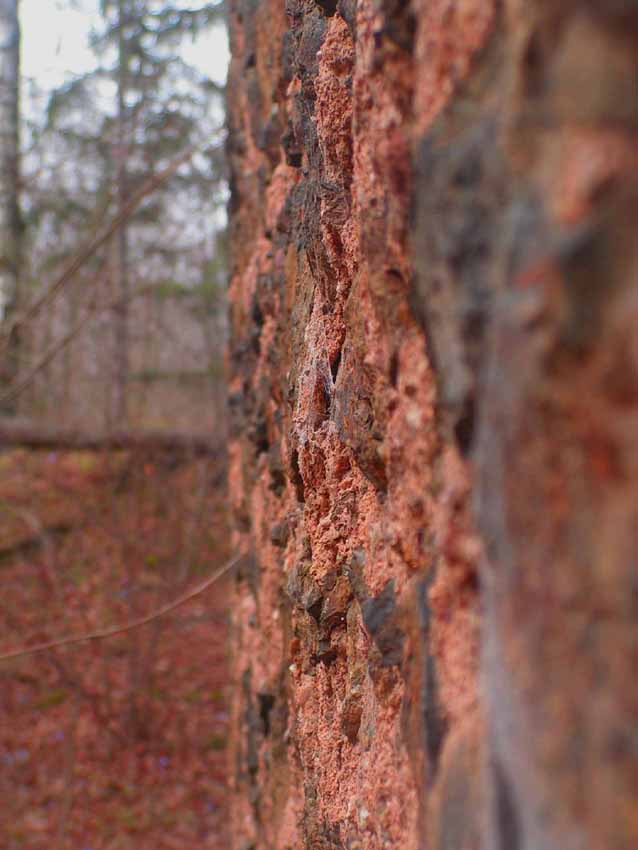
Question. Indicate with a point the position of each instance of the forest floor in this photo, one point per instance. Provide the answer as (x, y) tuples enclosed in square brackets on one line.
[(119, 743)]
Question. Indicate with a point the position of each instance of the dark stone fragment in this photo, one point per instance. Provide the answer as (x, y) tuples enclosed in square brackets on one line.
[(506, 814), (311, 38), (255, 102), (288, 57), (464, 425), (315, 610), (251, 725), (399, 23), (335, 604), (334, 366), (295, 476), (248, 571), (258, 435), (378, 615), (348, 11), (256, 313), (266, 705), (329, 7), (325, 654), (435, 726), (390, 644), (353, 413), (351, 717), (279, 534), (277, 480), (378, 610), (303, 589), (353, 570), (237, 411), (269, 139), (292, 150)]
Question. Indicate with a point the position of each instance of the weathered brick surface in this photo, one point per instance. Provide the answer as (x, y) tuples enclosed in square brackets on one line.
[(434, 386)]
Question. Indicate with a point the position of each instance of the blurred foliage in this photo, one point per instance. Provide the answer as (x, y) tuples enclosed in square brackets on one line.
[(169, 107)]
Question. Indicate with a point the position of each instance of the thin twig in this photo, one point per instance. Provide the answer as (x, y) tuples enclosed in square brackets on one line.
[(127, 627)]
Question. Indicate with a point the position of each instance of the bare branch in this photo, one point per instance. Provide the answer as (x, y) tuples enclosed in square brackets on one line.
[(94, 244), (126, 627)]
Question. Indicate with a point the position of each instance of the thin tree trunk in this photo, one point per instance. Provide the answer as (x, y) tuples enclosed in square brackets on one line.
[(10, 221), (68, 369), (122, 354)]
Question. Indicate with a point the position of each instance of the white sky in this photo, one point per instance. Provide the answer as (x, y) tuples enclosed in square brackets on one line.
[(55, 42)]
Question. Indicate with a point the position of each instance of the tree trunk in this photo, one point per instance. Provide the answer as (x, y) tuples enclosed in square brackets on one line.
[(27, 435), (122, 342), (10, 222)]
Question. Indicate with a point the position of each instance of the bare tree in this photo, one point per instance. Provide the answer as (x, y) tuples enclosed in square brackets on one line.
[(10, 223)]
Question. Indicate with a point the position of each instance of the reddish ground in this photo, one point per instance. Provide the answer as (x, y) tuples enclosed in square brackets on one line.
[(120, 743)]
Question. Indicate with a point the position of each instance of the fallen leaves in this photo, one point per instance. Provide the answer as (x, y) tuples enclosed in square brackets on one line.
[(147, 749)]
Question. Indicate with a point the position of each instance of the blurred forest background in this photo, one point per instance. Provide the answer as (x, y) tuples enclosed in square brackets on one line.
[(112, 321), (138, 327)]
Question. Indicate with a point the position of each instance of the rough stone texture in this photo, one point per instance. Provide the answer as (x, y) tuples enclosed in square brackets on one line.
[(434, 390)]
